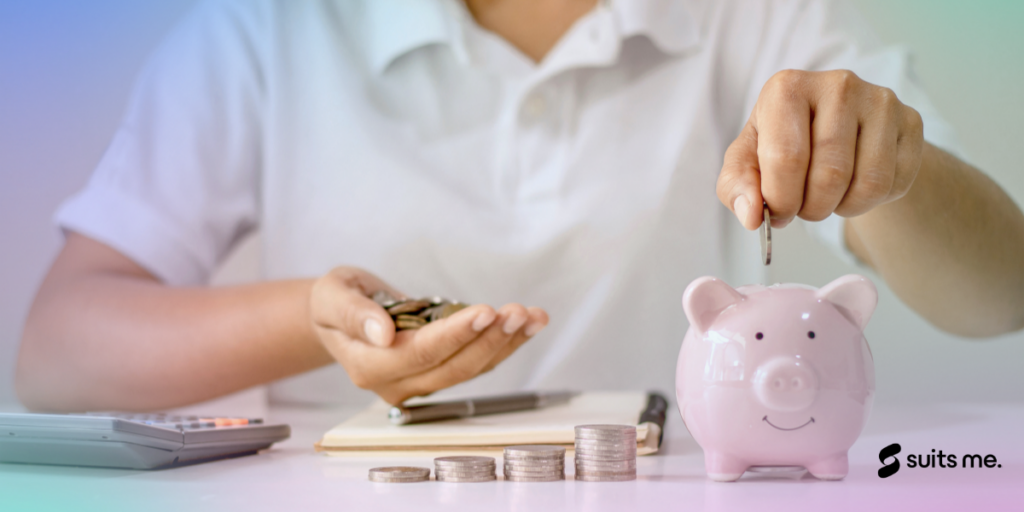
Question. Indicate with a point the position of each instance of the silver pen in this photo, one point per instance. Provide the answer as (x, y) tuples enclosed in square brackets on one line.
[(405, 415)]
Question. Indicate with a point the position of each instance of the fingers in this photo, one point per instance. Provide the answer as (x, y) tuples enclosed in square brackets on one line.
[(505, 335), (538, 320), (782, 120), (876, 161), (417, 350), (739, 183), (833, 154)]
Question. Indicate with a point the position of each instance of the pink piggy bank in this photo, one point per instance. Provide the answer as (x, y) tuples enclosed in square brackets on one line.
[(776, 376)]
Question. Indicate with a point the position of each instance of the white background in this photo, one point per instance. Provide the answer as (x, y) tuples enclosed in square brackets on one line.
[(66, 68)]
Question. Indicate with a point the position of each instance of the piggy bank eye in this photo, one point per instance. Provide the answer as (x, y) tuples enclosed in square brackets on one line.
[(759, 336), (810, 334)]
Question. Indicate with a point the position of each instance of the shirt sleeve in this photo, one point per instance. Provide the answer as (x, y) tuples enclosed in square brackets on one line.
[(819, 35), (179, 184)]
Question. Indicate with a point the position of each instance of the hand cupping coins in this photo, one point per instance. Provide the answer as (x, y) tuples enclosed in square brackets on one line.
[(415, 313)]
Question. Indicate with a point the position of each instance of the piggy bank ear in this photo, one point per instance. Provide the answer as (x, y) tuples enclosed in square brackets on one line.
[(854, 296), (705, 298)]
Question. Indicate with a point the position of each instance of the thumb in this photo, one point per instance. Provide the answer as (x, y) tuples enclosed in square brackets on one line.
[(338, 302), (364, 319), (739, 183)]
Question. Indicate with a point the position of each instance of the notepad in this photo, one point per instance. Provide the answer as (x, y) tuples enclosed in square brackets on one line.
[(369, 433)]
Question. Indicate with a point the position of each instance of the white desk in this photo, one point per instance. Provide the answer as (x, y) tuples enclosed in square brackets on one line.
[(292, 476)]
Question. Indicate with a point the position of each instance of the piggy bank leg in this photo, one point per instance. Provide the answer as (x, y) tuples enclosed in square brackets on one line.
[(722, 467), (834, 468)]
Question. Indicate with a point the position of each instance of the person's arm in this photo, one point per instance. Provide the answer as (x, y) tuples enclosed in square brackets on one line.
[(945, 237), (103, 334), (952, 248)]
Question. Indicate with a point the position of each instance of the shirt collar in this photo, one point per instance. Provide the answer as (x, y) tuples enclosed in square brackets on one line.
[(388, 29), (672, 25)]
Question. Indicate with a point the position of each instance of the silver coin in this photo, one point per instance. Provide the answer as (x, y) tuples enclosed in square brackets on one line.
[(535, 450), (604, 445), (621, 478), (766, 237), (613, 438), (597, 474), (534, 479), (597, 458), (550, 474), (394, 474), (465, 471), (464, 460), (605, 466), (489, 478), (607, 453), (533, 470), (534, 466), (460, 476), (602, 428), (603, 459), (384, 299)]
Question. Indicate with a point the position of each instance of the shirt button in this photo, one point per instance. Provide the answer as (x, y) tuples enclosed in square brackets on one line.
[(535, 107)]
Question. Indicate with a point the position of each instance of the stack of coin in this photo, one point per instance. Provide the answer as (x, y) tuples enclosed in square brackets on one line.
[(605, 453), (399, 474), (534, 463), (415, 313), (464, 469)]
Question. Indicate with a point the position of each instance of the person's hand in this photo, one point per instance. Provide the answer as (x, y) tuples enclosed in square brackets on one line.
[(361, 336), (819, 143)]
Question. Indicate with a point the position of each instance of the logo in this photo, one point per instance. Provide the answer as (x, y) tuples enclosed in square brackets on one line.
[(889, 469), (931, 460)]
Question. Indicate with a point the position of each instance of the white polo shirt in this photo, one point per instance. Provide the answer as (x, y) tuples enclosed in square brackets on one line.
[(400, 137)]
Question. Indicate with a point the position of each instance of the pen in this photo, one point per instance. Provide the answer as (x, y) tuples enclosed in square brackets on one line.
[(405, 415)]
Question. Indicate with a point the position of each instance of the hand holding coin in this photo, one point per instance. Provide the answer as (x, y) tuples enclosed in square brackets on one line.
[(399, 364)]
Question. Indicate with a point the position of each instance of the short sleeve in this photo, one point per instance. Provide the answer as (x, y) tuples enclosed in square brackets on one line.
[(179, 184), (819, 35)]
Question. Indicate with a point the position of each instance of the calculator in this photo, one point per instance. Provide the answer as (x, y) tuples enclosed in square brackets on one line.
[(133, 441)]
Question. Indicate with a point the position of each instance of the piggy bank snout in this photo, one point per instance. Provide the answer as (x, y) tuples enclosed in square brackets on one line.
[(786, 384)]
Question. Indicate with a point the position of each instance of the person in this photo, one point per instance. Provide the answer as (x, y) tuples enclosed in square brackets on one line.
[(559, 155)]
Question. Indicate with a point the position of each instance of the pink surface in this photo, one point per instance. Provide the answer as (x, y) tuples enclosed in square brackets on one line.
[(776, 376)]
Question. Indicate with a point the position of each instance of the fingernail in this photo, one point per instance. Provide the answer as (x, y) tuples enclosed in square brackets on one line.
[(483, 320), (742, 207), (513, 323), (374, 332), (533, 328)]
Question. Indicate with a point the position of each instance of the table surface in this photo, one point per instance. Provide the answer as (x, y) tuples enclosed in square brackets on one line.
[(291, 476)]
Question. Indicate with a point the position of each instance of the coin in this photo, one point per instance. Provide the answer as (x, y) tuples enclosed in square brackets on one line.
[(449, 478), (535, 450), (606, 466), (384, 299), (408, 306), (463, 474), (464, 460), (399, 474), (534, 479), (766, 237), (617, 478)]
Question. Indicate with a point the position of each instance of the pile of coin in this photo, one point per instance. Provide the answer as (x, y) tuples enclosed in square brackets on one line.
[(415, 313), (464, 469), (605, 453), (534, 463), (399, 474)]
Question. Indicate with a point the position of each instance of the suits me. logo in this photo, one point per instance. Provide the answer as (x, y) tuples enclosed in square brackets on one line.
[(889, 469), (932, 460)]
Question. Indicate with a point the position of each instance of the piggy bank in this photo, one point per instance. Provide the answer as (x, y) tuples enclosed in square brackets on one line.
[(776, 376)]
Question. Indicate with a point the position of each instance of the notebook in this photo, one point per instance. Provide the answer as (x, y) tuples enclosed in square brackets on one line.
[(369, 433)]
